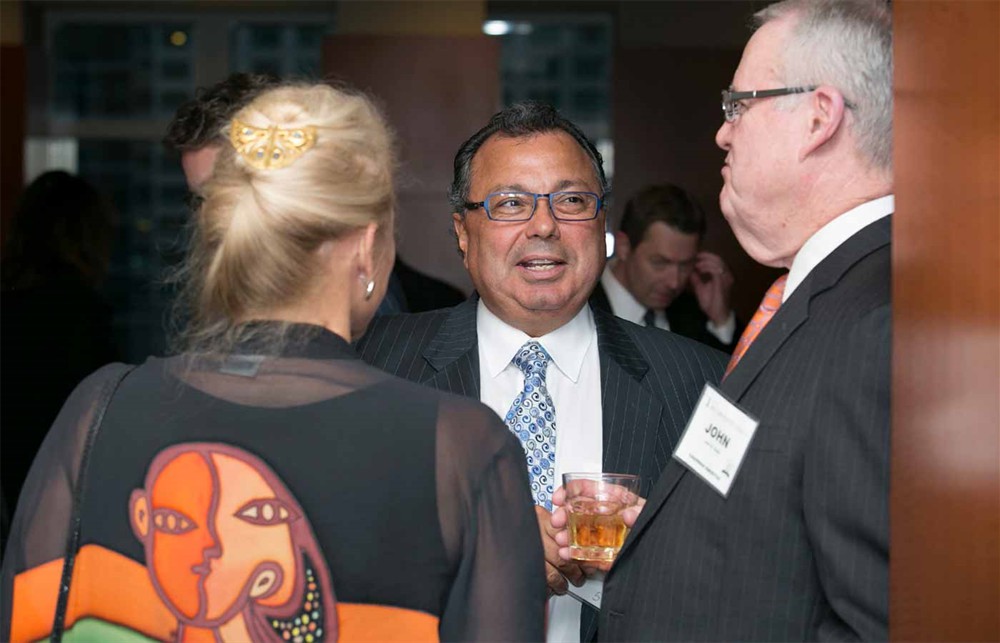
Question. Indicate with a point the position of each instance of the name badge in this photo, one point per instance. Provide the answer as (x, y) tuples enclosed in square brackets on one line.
[(716, 440)]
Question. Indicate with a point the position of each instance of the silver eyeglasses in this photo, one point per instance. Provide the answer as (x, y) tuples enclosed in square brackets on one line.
[(732, 107), (520, 206)]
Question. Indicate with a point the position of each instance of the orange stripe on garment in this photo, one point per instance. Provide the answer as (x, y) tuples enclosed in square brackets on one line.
[(115, 588), (360, 622), (106, 585)]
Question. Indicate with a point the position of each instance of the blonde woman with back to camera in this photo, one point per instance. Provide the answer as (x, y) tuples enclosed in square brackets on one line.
[(266, 485)]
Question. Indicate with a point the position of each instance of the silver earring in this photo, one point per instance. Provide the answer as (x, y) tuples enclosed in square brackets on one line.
[(369, 289)]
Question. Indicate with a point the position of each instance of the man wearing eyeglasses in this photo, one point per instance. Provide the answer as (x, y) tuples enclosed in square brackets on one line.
[(790, 542), (583, 390)]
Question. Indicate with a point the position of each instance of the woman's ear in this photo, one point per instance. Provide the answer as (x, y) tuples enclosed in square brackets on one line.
[(366, 245)]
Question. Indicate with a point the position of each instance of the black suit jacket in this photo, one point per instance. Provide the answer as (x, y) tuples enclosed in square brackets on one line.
[(684, 315), (650, 381), (423, 292), (799, 550)]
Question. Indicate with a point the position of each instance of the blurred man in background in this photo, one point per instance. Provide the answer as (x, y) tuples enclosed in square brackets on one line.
[(57, 327), (658, 276), (196, 131)]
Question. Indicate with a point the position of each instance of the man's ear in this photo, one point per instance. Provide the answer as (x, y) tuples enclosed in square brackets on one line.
[(826, 117), (622, 246), (462, 234)]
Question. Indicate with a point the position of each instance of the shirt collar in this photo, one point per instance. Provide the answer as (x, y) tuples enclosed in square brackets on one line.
[(831, 236), (567, 345), (622, 302)]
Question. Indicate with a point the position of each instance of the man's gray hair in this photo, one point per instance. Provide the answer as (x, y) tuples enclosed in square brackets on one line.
[(847, 44)]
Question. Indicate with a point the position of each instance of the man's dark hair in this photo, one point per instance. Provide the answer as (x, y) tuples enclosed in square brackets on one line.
[(666, 203), (522, 119), (198, 122)]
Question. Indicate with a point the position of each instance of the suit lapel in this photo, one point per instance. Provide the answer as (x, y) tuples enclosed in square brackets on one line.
[(671, 475), (453, 353), (630, 412), (794, 312), (599, 299)]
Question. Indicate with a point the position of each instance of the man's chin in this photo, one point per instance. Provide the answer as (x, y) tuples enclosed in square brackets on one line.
[(661, 303), (548, 306), (540, 313)]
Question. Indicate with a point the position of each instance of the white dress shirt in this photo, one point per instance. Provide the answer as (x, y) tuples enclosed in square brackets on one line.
[(831, 236), (624, 305), (573, 380)]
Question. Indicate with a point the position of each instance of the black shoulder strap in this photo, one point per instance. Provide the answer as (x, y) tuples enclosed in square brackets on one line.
[(73, 538)]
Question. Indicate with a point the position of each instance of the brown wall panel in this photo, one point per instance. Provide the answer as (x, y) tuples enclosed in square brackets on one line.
[(945, 557), (437, 91), (12, 123)]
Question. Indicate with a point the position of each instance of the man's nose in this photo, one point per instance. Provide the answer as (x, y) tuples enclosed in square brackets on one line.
[(723, 134), (543, 223), (672, 277)]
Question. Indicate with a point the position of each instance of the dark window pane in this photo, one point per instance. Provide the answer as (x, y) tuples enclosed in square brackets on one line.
[(106, 70), (545, 34), (307, 66), (311, 37), (147, 188), (175, 69), (592, 35), (281, 49), (590, 67), (553, 68), (266, 66), (565, 61), (546, 96), (589, 103), (265, 36), (171, 100)]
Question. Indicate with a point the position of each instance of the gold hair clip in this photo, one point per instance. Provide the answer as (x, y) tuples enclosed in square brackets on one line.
[(273, 147)]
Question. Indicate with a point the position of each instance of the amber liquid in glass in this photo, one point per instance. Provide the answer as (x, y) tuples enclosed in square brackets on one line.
[(596, 529)]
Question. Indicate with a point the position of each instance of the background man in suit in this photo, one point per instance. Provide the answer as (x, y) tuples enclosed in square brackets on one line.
[(657, 258), (196, 129), (799, 548), (584, 390)]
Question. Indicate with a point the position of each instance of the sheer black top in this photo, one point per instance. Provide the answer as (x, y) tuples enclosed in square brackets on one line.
[(295, 497)]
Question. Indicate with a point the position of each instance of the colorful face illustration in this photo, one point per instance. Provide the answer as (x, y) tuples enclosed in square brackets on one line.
[(221, 530)]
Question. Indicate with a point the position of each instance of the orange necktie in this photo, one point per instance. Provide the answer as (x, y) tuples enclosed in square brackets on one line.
[(768, 306)]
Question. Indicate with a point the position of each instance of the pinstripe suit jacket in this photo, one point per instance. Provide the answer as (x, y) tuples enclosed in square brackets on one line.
[(650, 380), (799, 550)]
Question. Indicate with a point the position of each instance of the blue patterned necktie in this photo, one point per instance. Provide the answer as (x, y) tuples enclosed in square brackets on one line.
[(532, 418)]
